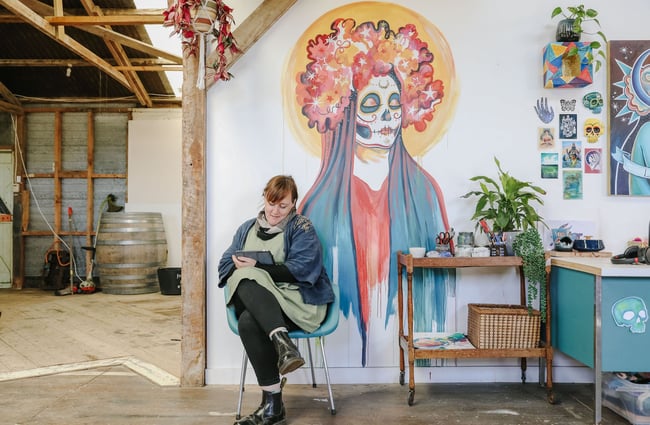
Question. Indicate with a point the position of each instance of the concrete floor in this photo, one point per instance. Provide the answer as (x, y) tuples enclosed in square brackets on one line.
[(117, 395), (68, 361)]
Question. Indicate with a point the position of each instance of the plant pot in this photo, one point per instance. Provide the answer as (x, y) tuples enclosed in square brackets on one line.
[(509, 238), (204, 16), (565, 31)]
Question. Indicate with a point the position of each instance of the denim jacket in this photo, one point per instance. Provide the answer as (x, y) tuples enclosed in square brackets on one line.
[(303, 258)]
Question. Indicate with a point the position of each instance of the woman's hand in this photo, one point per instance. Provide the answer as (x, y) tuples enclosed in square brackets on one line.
[(243, 262)]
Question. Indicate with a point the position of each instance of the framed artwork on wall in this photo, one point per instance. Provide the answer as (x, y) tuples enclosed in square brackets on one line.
[(629, 117)]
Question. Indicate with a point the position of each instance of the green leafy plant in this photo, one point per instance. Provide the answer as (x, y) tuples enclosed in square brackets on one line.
[(528, 245), (506, 203), (581, 16)]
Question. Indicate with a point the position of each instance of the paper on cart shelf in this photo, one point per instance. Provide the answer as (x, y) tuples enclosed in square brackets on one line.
[(441, 341)]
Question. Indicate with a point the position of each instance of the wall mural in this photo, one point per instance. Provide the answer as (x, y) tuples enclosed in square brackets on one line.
[(369, 86), (629, 140)]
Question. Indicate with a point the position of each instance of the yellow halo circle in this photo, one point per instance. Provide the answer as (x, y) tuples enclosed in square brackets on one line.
[(417, 143)]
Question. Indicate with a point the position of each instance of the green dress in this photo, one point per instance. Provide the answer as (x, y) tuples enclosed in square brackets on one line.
[(306, 316)]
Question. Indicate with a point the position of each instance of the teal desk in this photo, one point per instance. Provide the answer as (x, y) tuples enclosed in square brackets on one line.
[(599, 316)]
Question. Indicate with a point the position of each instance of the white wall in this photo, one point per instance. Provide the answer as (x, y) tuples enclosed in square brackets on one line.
[(497, 48), (155, 172)]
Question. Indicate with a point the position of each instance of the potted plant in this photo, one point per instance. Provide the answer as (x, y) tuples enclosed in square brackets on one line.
[(192, 18), (528, 245), (506, 203), (572, 27)]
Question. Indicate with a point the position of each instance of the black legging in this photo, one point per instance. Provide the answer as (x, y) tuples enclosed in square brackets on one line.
[(259, 313)]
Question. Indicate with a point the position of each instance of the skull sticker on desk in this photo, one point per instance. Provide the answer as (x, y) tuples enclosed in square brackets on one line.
[(630, 312)]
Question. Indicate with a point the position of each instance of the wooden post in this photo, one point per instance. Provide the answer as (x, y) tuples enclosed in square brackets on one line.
[(193, 359)]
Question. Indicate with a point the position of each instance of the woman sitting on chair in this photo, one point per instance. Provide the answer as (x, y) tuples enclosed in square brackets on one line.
[(272, 299)]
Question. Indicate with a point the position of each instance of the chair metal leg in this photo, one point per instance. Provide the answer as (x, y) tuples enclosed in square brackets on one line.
[(311, 363), (327, 376), (242, 379)]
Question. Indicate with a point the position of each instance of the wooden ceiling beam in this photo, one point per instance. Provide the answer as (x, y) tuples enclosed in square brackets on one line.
[(31, 17), (75, 21), (11, 108), (43, 10), (8, 18), (120, 57), (8, 95), (142, 62), (10, 103), (253, 28), (132, 43)]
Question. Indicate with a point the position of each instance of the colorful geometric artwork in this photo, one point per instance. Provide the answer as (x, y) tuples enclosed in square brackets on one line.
[(564, 70), (629, 117)]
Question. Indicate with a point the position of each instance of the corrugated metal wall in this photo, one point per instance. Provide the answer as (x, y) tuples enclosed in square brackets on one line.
[(110, 158)]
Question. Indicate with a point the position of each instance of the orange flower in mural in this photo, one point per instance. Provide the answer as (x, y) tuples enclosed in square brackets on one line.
[(355, 54)]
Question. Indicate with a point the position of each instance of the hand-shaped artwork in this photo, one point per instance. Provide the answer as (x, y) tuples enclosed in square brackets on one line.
[(543, 111)]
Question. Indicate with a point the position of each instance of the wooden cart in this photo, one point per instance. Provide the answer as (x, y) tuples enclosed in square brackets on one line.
[(406, 262)]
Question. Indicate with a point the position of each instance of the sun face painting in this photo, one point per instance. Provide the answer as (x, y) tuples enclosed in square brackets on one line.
[(629, 142)]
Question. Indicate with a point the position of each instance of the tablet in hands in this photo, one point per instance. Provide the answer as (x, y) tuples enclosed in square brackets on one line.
[(262, 257)]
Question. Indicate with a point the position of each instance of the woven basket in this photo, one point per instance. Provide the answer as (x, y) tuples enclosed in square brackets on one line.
[(498, 326)]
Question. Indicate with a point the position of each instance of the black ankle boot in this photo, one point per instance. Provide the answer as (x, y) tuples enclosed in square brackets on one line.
[(270, 412), (289, 358)]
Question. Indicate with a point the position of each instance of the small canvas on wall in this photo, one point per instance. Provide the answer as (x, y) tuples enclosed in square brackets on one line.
[(629, 138)]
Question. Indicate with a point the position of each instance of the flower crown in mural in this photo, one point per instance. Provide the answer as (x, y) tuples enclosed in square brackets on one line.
[(194, 18), (345, 60)]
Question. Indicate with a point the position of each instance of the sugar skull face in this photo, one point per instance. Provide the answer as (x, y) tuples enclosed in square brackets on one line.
[(593, 101), (379, 113), (593, 129), (630, 312)]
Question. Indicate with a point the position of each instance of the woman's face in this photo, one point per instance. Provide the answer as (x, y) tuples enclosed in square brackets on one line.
[(379, 113), (275, 212)]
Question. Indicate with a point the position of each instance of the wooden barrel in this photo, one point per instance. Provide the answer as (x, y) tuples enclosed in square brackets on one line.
[(130, 248)]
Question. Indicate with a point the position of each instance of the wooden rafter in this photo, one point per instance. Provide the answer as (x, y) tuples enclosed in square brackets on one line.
[(31, 17), (148, 64), (121, 58), (105, 20), (46, 10), (252, 29), (8, 102)]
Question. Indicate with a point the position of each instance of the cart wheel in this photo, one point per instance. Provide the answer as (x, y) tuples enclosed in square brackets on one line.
[(411, 397), (401, 378), (238, 417), (550, 396), (333, 412)]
